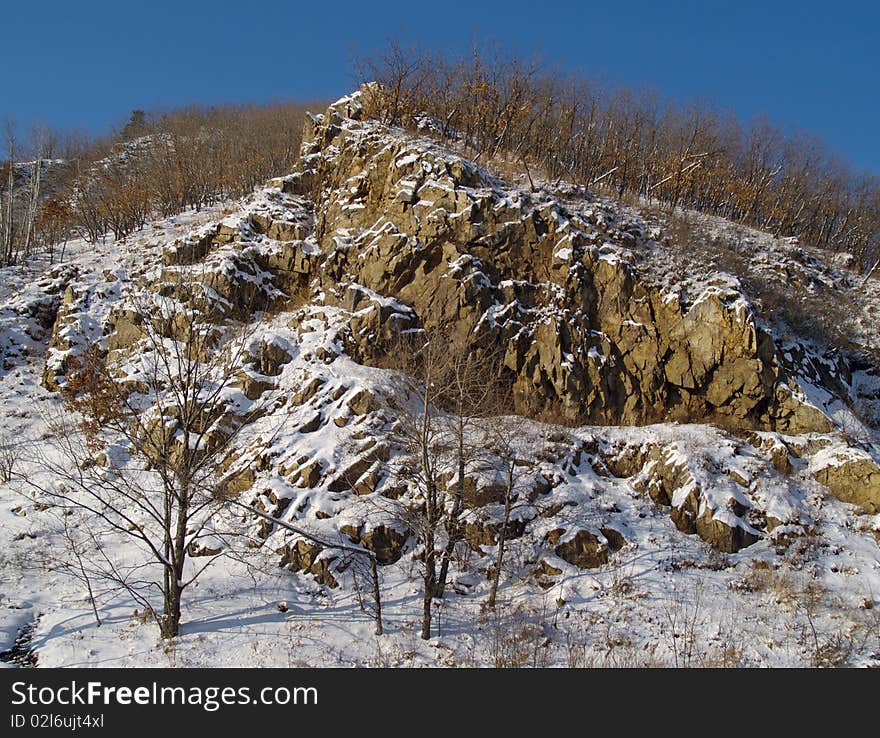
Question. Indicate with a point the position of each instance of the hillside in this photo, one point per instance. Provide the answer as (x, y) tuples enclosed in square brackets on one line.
[(680, 454)]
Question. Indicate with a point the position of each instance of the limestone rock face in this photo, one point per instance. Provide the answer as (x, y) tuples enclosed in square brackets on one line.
[(585, 337)]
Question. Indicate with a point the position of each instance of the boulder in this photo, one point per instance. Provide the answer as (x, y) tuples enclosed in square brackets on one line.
[(480, 532), (237, 482), (852, 476), (584, 549), (306, 556), (385, 541), (309, 475), (363, 402)]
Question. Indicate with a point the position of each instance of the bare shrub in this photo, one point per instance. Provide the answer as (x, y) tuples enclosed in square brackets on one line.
[(827, 650), (683, 613), (515, 637), (9, 454)]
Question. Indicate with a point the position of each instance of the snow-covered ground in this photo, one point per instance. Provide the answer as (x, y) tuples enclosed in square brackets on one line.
[(807, 595)]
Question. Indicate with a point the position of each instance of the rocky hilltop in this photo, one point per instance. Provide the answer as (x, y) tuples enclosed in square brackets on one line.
[(381, 232), (586, 337), (662, 406)]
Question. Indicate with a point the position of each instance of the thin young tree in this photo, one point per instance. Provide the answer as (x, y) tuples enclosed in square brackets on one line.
[(146, 457), (449, 387), (421, 434), (471, 391), (505, 457), (7, 253), (39, 141)]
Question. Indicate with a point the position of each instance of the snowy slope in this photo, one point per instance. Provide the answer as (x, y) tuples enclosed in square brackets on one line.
[(803, 593)]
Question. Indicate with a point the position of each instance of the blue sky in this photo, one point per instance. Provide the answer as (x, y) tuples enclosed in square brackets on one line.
[(85, 65)]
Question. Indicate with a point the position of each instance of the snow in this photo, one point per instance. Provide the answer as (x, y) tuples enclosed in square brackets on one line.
[(563, 254), (749, 606), (406, 160)]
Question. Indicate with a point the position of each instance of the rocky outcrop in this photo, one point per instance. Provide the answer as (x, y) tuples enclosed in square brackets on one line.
[(584, 548), (585, 337), (704, 497), (61, 342), (383, 540), (80, 318), (850, 475), (381, 235), (306, 556), (375, 323)]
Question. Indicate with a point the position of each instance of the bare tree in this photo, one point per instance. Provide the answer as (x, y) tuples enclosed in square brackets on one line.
[(470, 391), (450, 386), (54, 222), (39, 141), (503, 441), (421, 433), (398, 72), (146, 459), (7, 254)]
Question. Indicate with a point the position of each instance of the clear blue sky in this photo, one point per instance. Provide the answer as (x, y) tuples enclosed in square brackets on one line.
[(808, 65)]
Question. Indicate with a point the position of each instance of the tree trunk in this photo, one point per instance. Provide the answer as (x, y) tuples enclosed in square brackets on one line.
[(430, 587), (431, 513), (174, 584), (377, 595), (502, 540), (171, 616), (454, 519), (33, 204), (8, 233)]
